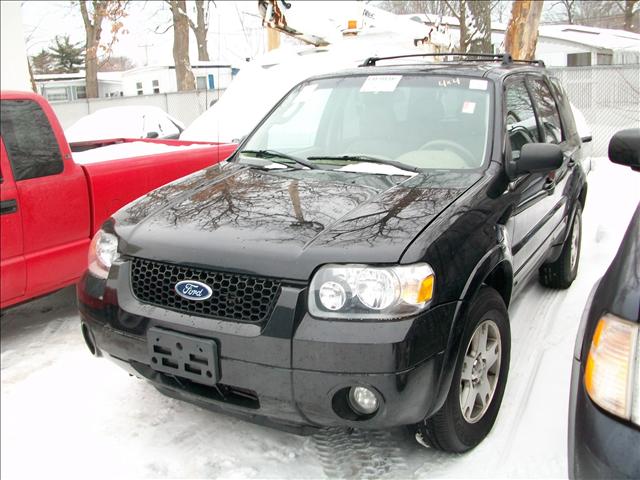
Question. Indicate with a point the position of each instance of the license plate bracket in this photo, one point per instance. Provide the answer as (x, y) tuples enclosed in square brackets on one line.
[(185, 356)]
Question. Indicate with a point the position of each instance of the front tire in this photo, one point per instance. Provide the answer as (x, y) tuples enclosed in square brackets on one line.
[(561, 273), (479, 379)]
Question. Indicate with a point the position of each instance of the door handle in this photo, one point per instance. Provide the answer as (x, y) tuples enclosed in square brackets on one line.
[(8, 206)]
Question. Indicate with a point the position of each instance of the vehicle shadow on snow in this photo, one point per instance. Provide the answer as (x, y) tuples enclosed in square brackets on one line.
[(46, 313)]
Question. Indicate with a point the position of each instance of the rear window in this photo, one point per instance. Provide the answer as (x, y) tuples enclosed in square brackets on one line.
[(31, 146)]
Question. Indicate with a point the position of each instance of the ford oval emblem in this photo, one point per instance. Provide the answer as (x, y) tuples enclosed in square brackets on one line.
[(193, 290)]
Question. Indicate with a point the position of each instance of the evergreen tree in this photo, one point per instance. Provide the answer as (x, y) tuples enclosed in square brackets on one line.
[(67, 56), (42, 63)]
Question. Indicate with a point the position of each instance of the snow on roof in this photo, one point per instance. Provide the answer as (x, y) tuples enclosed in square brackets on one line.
[(592, 37), (163, 66), (102, 76)]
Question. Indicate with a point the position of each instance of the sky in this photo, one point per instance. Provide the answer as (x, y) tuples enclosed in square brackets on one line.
[(235, 30)]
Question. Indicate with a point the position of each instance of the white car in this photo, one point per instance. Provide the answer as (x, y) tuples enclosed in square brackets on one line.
[(125, 122)]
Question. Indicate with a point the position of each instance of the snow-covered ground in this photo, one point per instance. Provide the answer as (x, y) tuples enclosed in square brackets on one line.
[(65, 414)]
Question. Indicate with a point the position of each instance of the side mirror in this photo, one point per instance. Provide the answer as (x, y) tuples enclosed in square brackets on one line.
[(538, 158), (624, 148), (153, 135)]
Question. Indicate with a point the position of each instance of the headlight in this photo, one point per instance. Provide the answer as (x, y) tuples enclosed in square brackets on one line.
[(368, 292), (612, 373), (102, 252)]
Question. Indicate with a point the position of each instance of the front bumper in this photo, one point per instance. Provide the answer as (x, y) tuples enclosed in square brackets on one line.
[(291, 371)]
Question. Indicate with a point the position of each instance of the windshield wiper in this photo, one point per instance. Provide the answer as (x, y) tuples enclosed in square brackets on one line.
[(368, 159), (276, 154)]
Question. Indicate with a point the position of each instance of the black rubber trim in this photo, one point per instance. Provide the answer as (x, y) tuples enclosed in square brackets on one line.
[(8, 206)]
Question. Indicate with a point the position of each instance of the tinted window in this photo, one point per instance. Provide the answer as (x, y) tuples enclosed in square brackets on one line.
[(547, 111), (564, 106), (520, 117), (29, 140)]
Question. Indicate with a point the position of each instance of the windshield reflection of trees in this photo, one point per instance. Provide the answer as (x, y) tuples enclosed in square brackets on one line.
[(297, 205)]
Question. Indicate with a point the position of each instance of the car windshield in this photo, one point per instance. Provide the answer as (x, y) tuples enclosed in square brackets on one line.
[(417, 121)]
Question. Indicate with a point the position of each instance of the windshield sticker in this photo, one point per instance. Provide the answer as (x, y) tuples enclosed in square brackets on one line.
[(305, 93), (475, 84), (381, 83), (445, 82), (469, 107)]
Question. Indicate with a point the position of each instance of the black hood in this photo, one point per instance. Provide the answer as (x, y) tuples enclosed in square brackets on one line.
[(284, 223)]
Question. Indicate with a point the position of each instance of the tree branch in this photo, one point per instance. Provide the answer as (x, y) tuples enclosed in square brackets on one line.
[(452, 10), (85, 15)]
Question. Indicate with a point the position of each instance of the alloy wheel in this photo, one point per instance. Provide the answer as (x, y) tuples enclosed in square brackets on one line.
[(480, 371)]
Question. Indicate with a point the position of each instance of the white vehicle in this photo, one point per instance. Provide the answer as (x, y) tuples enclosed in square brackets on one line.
[(139, 121), (259, 85), (263, 82)]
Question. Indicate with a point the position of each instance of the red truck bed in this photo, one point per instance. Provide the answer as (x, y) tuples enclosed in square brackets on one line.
[(52, 205)]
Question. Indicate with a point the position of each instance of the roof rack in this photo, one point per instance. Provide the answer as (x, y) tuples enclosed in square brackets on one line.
[(504, 58)]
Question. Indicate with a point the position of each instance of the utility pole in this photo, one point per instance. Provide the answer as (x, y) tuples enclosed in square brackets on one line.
[(273, 39), (146, 52)]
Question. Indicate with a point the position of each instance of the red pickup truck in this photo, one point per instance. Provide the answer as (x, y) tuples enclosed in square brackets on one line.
[(51, 205)]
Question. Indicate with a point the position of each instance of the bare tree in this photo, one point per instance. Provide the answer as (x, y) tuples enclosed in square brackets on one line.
[(430, 7), (201, 27), (480, 37), (94, 12), (629, 10), (474, 18), (569, 7), (117, 64), (184, 74)]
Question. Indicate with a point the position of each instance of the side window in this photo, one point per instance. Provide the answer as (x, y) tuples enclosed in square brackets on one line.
[(566, 112), (520, 117), (547, 111), (31, 146)]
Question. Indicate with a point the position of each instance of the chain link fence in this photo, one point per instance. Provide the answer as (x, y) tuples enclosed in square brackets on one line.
[(608, 97)]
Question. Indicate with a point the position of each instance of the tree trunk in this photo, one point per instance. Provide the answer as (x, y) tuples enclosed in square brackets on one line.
[(273, 39), (93, 30), (200, 31), (628, 15), (464, 32), (480, 39), (522, 33), (184, 76), (31, 77)]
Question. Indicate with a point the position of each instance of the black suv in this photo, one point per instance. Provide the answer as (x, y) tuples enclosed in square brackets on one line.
[(352, 263)]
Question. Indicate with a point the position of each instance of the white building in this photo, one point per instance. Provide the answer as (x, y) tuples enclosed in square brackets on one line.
[(65, 87), (562, 45), (162, 78)]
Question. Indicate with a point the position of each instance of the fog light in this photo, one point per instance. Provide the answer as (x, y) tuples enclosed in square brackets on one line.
[(363, 400)]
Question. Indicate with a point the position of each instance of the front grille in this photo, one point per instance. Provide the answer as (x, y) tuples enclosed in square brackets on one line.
[(235, 297)]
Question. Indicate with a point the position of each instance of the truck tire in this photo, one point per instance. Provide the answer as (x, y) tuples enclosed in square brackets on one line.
[(562, 272), (479, 379)]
